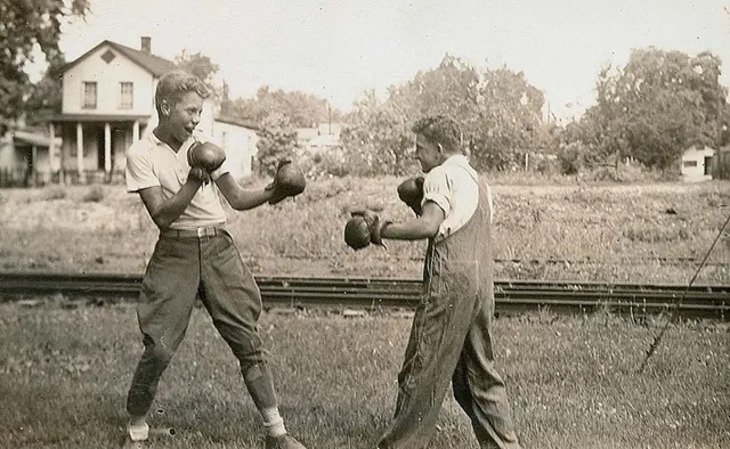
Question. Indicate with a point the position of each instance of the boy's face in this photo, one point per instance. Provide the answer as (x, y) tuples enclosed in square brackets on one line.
[(427, 153), (183, 116)]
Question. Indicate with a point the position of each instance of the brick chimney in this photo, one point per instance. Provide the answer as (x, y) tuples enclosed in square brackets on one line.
[(146, 44)]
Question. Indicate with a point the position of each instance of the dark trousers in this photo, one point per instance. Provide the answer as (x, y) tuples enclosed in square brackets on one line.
[(180, 269), (450, 342)]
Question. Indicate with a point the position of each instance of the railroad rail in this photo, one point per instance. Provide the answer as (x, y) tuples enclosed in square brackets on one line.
[(512, 296)]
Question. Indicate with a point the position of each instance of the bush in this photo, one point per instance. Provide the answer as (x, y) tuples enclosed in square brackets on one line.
[(95, 194), (56, 193), (325, 163), (571, 158)]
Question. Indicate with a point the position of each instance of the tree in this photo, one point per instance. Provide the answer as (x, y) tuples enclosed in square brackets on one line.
[(277, 139), (23, 25), (509, 120), (660, 103), (303, 110), (498, 110), (377, 141), (46, 95), (198, 64)]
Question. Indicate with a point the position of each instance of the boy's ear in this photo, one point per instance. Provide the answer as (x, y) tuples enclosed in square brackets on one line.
[(165, 107), (441, 148)]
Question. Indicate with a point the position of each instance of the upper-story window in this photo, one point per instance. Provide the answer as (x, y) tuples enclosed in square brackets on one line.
[(126, 97), (89, 99)]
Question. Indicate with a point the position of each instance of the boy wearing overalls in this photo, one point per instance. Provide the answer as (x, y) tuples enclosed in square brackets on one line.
[(451, 336)]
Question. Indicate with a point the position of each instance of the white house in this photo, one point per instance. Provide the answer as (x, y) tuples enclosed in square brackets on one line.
[(108, 103), (697, 164)]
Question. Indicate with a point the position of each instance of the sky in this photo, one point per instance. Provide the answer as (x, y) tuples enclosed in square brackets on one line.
[(337, 50)]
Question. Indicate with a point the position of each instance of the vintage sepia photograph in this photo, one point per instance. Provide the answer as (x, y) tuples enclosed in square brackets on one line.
[(381, 224)]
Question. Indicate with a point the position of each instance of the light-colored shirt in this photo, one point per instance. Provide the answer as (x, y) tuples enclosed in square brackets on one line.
[(454, 187), (152, 163)]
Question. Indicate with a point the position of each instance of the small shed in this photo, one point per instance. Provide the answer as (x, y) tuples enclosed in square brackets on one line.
[(697, 164)]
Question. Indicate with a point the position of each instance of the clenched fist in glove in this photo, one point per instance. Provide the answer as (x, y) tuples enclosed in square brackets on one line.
[(357, 233), (374, 227), (410, 192), (288, 181), (199, 174), (206, 155)]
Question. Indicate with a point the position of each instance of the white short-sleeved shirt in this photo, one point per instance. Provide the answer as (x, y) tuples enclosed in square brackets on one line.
[(454, 187), (152, 163)]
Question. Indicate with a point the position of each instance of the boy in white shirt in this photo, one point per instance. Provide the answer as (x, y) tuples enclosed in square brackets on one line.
[(194, 255)]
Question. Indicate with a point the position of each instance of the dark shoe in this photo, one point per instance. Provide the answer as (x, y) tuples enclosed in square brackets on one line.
[(283, 442)]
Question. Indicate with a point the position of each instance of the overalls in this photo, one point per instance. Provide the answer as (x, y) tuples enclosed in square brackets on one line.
[(451, 340)]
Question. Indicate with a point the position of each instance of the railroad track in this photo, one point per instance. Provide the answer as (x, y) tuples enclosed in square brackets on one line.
[(700, 301)]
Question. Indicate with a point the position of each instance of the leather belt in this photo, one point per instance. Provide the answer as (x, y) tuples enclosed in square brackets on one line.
[(192, 233)]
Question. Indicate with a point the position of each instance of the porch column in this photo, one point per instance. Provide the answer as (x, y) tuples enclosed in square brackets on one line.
[(107, 148), (135, 131), (33, 162), (51, 147), (80, 151)]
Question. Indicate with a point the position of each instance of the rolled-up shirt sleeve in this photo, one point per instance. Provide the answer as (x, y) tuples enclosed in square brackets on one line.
[(139, 173), (436, 188), (222, 170)]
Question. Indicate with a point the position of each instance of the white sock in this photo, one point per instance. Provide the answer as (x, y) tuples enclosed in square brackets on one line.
[(138, 432), (273, 422)]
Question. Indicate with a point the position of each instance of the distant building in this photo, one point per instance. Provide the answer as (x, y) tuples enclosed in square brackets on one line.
[(25, 158), (108, 103), (697, 164), (324, 137)]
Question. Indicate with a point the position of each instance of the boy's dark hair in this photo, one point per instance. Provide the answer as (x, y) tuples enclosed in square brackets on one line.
[(173, 85), (440, 129)]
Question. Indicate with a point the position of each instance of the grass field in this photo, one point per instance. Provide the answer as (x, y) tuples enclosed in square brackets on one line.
[(571, 231), (573, 382), (65, 367)]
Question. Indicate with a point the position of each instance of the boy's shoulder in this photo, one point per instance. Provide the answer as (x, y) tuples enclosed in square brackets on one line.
[(142, 146)]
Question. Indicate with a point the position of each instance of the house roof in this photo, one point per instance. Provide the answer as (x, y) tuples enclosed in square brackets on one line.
[(154, 64)]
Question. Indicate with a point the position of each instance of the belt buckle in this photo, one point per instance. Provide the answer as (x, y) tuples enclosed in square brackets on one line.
[(201, 232)]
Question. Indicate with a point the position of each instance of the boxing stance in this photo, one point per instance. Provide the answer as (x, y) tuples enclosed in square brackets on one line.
[(178, 177), (451, 336)]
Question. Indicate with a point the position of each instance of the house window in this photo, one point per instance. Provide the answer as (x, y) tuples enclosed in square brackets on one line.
[(126, 98), (690, 163), (89, 100)]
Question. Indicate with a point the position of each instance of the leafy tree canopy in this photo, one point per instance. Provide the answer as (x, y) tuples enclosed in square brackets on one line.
[(23, 26), (198, 64), (500, 114), (655, 107), (302, 110)]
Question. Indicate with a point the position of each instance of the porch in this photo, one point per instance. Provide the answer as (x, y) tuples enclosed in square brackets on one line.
[(94, 146)]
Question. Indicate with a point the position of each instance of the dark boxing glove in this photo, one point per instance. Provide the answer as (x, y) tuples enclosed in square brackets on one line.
[(206, 155), (357, 233), (288, 181), (375, 225), (410, 192)]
